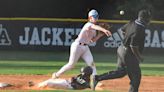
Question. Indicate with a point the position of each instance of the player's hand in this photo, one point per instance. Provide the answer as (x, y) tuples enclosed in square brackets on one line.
[(108, 33)]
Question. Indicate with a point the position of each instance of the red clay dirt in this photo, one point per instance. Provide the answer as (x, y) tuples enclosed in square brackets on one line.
[(21, 82)]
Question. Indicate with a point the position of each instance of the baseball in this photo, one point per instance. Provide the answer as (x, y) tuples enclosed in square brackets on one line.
[(121, 12)]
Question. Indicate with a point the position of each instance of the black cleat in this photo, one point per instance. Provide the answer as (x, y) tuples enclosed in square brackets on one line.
[(31, 83)]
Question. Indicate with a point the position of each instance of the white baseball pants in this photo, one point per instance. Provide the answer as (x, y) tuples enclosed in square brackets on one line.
[(56, 83), (78, 51)]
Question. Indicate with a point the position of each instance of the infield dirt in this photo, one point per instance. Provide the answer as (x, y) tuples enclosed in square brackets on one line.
[(21, 82)]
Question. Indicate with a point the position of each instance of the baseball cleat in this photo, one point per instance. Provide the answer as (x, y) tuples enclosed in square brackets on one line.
[(31, 83), (3, 85), (54, 76), (42, 85)]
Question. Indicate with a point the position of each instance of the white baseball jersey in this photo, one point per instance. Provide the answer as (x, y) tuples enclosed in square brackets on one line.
[(79, 49), (86, 34)]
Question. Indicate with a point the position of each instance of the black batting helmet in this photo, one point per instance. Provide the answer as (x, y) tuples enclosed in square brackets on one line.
[(87, 70), (144, 15)]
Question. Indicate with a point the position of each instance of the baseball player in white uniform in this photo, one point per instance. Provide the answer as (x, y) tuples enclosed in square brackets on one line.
[(80, 81), (80, 49)]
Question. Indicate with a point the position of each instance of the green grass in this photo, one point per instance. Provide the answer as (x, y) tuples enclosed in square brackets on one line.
[(21, 62), (47, 67), (48, 62)]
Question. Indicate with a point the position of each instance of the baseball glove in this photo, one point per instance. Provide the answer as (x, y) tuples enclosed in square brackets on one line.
[(105, 25)]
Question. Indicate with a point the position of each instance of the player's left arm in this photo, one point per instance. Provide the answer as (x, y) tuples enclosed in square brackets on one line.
[(97, 37), (123, 29)]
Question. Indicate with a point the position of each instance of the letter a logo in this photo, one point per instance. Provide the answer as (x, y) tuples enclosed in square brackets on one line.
[(4, 38)]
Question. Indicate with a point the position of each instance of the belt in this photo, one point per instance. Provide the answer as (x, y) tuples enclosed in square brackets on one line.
[(84, 44), (124, 47)]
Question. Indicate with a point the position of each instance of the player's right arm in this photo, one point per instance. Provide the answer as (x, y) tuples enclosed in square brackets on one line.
[(123, 28), (96, 27)]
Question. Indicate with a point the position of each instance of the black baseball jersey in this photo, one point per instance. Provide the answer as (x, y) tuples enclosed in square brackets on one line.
[(80, 82), (134, 34), (128, 62)]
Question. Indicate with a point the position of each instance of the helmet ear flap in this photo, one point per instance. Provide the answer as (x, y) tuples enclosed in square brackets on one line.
[(81, 70)]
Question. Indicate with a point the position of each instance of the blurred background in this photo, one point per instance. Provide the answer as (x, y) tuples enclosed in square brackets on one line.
[(35, 35), (20, 20), (52, 25), (108, 9)]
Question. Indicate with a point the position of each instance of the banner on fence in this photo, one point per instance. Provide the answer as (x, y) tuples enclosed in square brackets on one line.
[(58, 35)]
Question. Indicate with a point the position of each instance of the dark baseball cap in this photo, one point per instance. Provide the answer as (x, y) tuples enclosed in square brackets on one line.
[(145, 14)]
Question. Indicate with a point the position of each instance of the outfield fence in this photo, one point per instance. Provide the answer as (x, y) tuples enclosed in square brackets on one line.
[(57, 34)]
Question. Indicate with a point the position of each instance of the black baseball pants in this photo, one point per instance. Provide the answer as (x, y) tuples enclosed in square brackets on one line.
[(127, 65)]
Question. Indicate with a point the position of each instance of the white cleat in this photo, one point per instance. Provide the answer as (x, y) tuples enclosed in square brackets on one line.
[(3, 85), (42, 85), (54, 76)]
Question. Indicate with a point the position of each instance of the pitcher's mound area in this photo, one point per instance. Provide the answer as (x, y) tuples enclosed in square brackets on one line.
[(21, 82)]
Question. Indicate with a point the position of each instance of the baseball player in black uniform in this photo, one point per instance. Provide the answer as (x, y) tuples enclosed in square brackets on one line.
[(129, 53), (79, 82)]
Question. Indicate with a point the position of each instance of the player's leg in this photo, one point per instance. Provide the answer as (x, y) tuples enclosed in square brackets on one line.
[(55, 83), (75, 53), (134, 73), (135, 79), (118, 73), (121, 68), (88, 58)]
